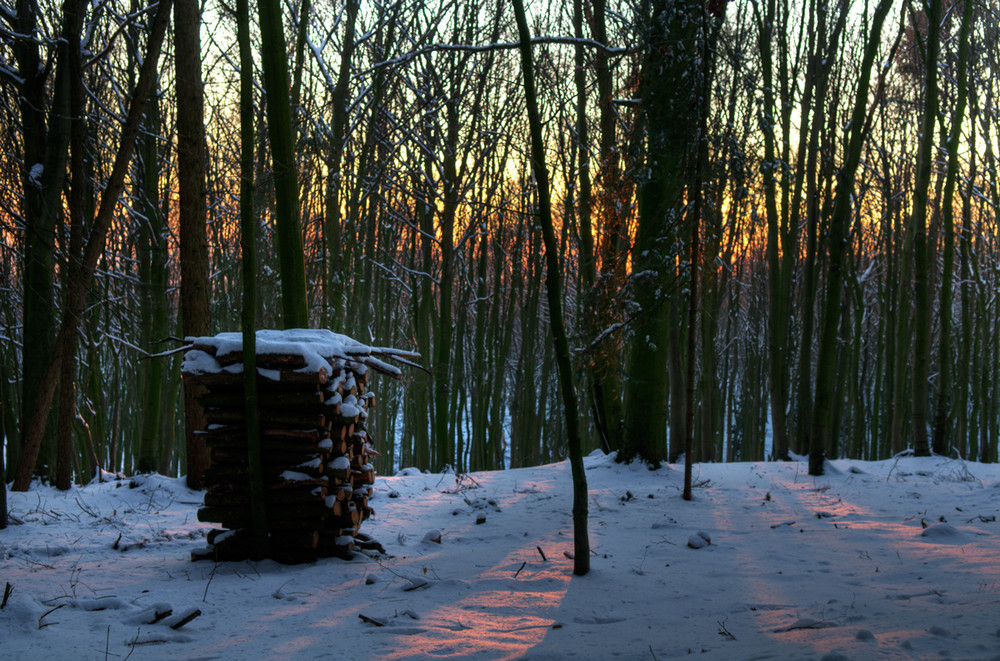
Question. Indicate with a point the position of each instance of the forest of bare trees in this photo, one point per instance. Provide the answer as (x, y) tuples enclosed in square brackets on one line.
[(775, 222)]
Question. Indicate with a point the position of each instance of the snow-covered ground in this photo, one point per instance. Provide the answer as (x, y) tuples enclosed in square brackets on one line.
[(890, 560)]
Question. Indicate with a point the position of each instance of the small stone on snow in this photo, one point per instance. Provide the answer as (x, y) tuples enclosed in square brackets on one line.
[(699, 540)]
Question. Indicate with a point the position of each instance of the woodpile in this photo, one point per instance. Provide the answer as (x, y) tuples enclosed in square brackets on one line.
[(313, 404)]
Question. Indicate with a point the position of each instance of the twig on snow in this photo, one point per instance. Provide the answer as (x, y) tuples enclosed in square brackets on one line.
[(204, 597), (371, 620), (51, 610), (184, 620)]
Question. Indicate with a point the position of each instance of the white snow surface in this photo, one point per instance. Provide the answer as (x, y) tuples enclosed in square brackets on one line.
[(878, 560), (318, 347)]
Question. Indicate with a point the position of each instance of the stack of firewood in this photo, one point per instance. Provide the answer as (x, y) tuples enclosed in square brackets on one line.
[(313, 406)]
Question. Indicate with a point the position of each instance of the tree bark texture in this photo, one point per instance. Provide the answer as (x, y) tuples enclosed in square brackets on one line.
[(826, 366), (79, 287), (288, 230), (553, 286), (192, 211), (668, 86)]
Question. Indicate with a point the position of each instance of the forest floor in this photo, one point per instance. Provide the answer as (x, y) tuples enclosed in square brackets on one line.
[(876, 560)]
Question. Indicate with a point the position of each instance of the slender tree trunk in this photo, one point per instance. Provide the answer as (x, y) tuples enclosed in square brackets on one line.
[(248, 250), (922, 310), (553, 286), (613, 202), (777, 300), (67, 393), (35, 428), (301, 36), (191, 212), (706, 52), (818, 70), (943, 428), (443, 437), (604, 372), (45, 149), (337, 278), (669, 81), (153, 294), (288, 230), (826, 366)]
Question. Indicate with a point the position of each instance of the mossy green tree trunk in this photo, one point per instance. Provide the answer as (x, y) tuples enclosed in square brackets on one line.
[(668, 86), (288, 231), (152, 253)]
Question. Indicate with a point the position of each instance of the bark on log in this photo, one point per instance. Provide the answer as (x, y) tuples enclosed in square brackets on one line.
[(305, 514), (270, 380), (308, 463), (237, 499), (273, 399), (218, 415)]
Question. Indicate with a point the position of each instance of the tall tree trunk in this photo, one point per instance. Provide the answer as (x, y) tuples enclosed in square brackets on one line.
[(782, 233), (46, 151), (288, 230), (922, 310), (248, 250), (67, 393), (191, 213), (699, 182), (823, 50), (553, 286), (337, 277), (301, 36), (668, 83), (826, 365), (443, 438), (777, 322), (944, 415), (605, 389), (613, 202), (35, 428), (153, 291)]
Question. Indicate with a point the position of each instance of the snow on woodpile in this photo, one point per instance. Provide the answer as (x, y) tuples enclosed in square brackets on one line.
[(314, 400)]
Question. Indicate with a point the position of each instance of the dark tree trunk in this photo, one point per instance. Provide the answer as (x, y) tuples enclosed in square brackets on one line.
[(248, 249), (668, 86), (191, 158), (78, 287), (826, 366), (922, 311), (553, 286), (944, 427)]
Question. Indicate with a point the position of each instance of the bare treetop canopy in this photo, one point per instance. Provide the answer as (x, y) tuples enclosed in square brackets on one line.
[(302, 350)]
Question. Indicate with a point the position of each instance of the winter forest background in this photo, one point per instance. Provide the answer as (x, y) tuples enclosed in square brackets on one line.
[(828, 167)]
